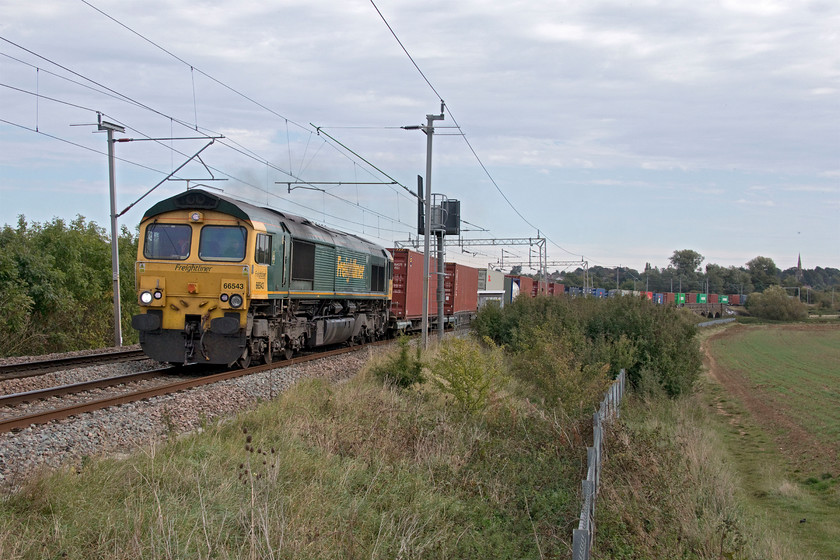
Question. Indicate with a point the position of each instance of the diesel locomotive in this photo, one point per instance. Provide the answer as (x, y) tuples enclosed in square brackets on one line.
[(221, 281)]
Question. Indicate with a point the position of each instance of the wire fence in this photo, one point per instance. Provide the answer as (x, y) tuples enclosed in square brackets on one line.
[(583, 537)]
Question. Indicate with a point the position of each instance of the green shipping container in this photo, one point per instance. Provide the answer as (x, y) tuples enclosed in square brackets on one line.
[(724, 299), (701, 298), (680, 299)]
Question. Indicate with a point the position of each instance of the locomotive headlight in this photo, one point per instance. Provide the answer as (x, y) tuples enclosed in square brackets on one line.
[(224, 297), (158, 294), (146, 298), (236, 301)]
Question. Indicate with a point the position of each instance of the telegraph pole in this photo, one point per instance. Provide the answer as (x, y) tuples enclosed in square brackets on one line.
[(429, 129), (115, 253)]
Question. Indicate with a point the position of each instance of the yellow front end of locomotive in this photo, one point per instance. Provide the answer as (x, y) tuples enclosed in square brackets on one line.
[(193, 280)]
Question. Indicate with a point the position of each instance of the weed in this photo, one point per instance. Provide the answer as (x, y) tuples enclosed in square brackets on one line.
[(465, 371), (558, 374), (401, 370)]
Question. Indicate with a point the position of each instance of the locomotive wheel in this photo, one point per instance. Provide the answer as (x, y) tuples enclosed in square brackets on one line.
[(288, 352)]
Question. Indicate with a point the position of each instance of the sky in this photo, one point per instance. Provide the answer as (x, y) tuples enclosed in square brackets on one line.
[(619, 132)]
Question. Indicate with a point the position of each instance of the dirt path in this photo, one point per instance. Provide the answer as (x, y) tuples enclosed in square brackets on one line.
[(802, 450)]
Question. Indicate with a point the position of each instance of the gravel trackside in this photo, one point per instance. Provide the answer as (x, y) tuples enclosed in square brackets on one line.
[(124, 428)]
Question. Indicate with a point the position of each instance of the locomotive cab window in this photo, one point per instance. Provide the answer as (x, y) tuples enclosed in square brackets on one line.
[(262, 253), (222, 243), (167, 241)]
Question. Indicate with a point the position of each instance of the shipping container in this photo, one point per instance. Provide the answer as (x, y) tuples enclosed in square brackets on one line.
[(702, 298), (511, 289), (600, 293), (540, 287), (460, 289), (691, 298), (495, 280), (713, 298), (517, 285), (556, 289), (526, 285), (659, 298), (681, 298), (723, 299), (407, 298), (491, 280), (648, 295), (670, 297), (734, 299)]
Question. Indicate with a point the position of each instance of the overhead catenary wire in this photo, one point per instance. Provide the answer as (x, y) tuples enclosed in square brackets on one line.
[(125, 98), (464, 135), (229, 143)]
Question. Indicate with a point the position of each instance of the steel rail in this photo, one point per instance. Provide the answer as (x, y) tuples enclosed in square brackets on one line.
[(58, 414), (38, 367), (40, 394)]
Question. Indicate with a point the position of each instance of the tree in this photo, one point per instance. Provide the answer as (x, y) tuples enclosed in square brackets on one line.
[(56, 286), (763, 273), (716, 276), (775, 304), (686, 264), (687, 261)]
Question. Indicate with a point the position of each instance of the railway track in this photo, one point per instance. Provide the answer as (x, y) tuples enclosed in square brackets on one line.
[(43, 417), (39, 367), (74, 388)]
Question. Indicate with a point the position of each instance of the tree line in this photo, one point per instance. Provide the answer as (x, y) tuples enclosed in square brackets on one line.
[(56, 286)]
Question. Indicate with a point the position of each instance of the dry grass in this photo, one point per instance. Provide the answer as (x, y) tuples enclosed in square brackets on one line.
[(669, 490), (356, 470)]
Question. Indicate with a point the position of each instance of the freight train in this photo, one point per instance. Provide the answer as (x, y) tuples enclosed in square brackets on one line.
[(705, 304), (221, 281)]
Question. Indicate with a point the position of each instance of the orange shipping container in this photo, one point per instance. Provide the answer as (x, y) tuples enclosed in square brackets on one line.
[(407, 298), (460, 287), (539, 288)]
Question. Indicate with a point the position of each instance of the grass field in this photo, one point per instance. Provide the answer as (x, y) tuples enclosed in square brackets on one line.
[(776, 391)]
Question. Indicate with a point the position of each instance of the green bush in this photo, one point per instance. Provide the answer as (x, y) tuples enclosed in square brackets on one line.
[(645, 339), (401, 369), (563, 378), (663, 340), (775, 304), (466, 371), (57, 287)]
